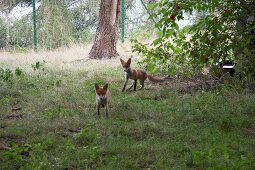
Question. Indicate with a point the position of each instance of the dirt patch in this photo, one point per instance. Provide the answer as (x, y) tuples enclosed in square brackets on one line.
[(3, 125), (14, 114), (249, 131), (191, 85), (73, 130), (7, 140)]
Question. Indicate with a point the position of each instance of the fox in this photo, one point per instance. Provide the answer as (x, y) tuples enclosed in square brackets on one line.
[(135, 75), (103, 96)]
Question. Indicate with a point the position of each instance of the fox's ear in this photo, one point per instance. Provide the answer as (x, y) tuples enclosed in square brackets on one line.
[(129, 61), (96, 86), (105, 86), (122, 61)]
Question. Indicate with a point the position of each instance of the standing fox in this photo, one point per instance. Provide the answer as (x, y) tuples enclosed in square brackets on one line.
[(102, 98), (135, 75)]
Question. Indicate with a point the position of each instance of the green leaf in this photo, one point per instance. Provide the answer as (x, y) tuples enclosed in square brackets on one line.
[(175, 26), (176, 50), (160, 33), (157, 41), (150, 7), (169, 33), (186, 29)]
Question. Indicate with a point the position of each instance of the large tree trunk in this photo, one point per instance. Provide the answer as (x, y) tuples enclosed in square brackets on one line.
[(107, 30)]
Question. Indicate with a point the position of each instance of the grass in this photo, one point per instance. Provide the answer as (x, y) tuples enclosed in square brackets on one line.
[(157, 128)]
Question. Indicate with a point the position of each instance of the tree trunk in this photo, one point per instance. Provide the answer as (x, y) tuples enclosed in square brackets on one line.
[(107, 30)]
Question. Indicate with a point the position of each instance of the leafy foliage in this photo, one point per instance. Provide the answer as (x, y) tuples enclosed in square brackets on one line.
[(6, 75), (2, 33), (225, 30), (39, 67), (218, 157), (56, 25), (21, 33), (9, 4), (59, 23)]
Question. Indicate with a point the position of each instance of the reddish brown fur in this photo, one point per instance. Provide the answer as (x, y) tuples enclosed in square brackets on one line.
[(135, 75), (101, 91), (102, 98)]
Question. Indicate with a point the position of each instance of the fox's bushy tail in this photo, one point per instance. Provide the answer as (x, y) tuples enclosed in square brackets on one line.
[(157, 79)]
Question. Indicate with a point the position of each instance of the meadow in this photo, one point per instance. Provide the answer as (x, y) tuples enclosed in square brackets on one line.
[(48, 118)]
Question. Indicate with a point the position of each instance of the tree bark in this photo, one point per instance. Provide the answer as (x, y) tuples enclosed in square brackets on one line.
[(107, 30)]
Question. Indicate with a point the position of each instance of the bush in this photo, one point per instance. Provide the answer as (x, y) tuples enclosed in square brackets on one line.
[(225, 30)]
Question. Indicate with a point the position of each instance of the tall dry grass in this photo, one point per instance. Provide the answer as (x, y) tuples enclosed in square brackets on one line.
[(71, 58)]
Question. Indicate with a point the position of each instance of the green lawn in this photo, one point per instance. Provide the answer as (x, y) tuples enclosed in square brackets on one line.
[(157, 128)]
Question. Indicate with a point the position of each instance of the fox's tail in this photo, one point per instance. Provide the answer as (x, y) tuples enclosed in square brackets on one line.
[(157, 79)]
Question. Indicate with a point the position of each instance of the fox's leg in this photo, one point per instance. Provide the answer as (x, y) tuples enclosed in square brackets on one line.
[(135, 83), (97, 108), (125, 84), (106, 110), (131, 85), (142, 84)]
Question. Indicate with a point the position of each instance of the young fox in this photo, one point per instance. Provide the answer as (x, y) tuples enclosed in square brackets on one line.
[(102, 98), (135, 75)]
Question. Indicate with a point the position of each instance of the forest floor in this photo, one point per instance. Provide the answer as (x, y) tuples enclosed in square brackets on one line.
[(48, 118)]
